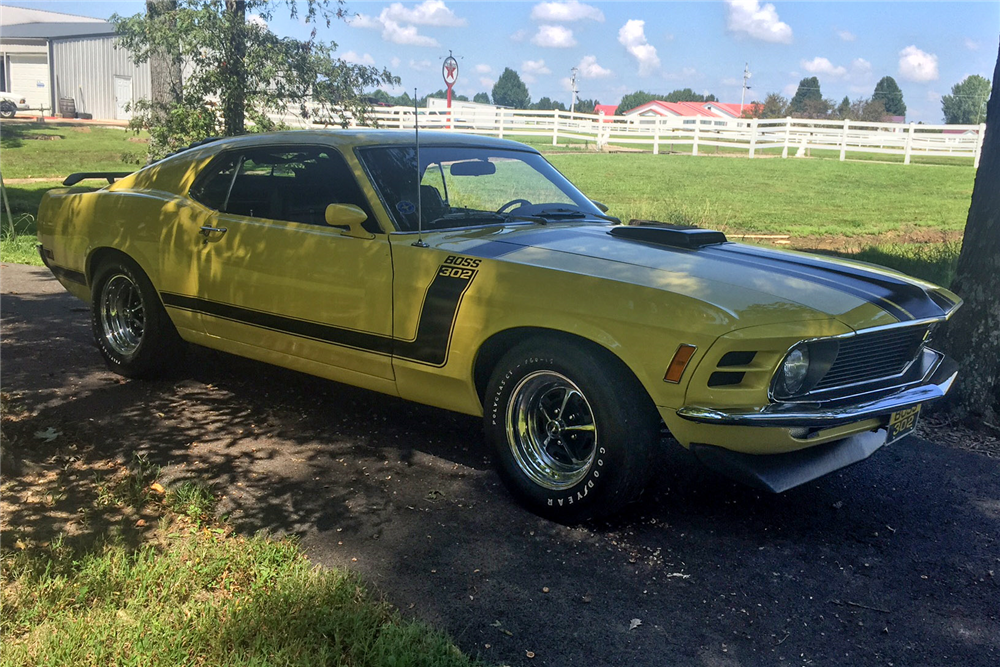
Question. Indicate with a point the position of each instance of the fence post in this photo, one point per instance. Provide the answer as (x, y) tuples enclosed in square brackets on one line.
[(979, 145), (656, 137), (909, 144), (753, 137), (788, 135), (694, 144), (500, 115), (843, 141), (555, 127)]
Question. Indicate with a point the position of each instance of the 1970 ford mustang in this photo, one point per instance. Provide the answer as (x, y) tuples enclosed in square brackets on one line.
[(467, 273)]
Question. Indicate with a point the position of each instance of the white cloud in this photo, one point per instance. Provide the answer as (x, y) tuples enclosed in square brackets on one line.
[(365, 21), (846, 35), (971, 45), (535, 67), (429, 12), (554, 37), (483, 69), (399, 23), (395, 61), (790, 90), (933, 97), (405, 34), (420, 65), (567, 84), (353, 57), (632, 36), (916, 65), (759, 22), (257, 20), (730, 81), (566, 12), (860, 68), (823, 66), (487, 82), (520, 35), (685, 74), (589, 69)]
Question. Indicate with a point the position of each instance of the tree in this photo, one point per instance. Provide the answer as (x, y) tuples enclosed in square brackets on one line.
[(774, 106), (967, 103), (510, 91), (586, 106), (481, 98), (546, 104), (231, 56), (888, 92), (844, 110), (166, 86), (972, 337), (808, 92), (865, 110)]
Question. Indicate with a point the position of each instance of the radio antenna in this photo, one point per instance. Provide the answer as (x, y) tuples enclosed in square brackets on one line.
[(416, 140)]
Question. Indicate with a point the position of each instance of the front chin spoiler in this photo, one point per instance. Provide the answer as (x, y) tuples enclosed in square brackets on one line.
[(780, 472)]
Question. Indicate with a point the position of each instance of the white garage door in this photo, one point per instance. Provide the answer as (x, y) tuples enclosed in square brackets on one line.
[(29, 76)]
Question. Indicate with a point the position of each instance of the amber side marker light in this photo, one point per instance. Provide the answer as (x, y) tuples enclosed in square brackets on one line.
[(680, 361)]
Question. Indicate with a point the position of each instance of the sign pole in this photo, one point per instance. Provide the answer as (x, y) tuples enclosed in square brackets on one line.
[(450, 73)]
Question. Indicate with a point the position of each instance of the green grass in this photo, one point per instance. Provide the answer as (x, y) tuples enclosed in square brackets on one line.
[(933, 262), (28, 154), (797, 197)]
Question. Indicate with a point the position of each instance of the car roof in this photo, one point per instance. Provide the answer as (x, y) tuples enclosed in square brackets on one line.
[(366, 137)]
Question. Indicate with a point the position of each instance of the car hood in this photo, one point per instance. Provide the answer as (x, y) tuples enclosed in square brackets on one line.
[(752, 284)]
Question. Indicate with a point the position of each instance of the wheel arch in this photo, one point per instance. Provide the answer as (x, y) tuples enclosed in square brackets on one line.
[(494, 347)]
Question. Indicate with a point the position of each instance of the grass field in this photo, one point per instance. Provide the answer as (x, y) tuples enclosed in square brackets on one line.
[(909, 217)]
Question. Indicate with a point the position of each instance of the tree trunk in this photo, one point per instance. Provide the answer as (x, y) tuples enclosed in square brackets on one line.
[(973, 336), (234, 90), (164, 63)]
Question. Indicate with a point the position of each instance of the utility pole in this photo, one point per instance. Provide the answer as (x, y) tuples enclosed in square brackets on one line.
[(572, 104), (746, 77)]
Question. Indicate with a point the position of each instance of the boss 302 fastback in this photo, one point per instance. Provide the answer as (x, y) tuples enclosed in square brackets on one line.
[(496, 288)]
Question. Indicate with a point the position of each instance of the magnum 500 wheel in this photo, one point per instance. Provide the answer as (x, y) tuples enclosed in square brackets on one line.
[(571, 429), (132, 330)]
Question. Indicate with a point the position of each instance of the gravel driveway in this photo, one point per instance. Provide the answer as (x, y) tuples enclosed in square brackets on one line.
[(895, 561)]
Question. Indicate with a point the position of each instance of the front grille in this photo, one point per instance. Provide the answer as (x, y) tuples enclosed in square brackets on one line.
[(873, 356)]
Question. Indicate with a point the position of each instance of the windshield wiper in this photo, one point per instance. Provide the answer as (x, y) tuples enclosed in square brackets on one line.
[(491, 216), (573, 213)]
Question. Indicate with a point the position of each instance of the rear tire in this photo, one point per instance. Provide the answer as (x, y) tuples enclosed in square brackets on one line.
[(572, 429), (7, 109), (131, 327)]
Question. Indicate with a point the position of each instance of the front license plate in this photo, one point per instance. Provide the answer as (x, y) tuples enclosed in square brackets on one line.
[(902, 423)]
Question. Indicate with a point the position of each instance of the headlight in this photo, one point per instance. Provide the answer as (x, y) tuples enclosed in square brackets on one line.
[(795, 369)]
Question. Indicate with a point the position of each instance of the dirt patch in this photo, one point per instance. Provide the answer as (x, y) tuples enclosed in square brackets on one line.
[(941, 428)]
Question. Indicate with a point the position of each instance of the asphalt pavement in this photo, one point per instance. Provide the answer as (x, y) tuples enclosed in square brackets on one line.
[(895, 561)]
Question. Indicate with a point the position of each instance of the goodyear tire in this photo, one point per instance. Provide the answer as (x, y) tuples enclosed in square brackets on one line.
[(7, 109), (131, 327), (572, 429)]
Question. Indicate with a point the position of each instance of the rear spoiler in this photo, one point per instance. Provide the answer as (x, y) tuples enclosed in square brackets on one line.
[(111, 176)]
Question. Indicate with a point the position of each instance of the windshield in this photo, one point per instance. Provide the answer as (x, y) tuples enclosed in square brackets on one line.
[(462, 186)]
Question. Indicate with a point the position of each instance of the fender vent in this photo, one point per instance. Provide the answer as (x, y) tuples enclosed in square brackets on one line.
[(668, 235)]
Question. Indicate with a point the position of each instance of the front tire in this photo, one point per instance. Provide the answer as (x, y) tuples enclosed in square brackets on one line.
[(572, 429), (7, 109), (131, 327)]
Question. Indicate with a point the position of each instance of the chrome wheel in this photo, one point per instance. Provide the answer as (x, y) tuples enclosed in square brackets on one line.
[(123, 318), (551, 430)]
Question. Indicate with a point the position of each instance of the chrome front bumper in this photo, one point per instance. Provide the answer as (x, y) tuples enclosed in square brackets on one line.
[(934, 385)]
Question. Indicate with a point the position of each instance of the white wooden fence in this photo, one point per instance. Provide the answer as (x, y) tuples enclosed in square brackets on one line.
[(793, 136)]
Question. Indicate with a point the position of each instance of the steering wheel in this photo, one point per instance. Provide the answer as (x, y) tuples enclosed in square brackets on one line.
[(521, 202)]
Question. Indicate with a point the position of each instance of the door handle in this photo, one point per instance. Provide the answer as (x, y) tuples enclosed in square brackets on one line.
[(208, 231)]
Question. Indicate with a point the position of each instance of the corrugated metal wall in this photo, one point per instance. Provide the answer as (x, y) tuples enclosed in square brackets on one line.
[(85, 68)]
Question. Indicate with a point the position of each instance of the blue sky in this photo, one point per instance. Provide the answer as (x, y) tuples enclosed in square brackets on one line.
[(620, 47)]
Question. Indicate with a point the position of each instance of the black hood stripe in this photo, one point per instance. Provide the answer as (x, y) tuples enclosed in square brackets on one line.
[(901, 299)]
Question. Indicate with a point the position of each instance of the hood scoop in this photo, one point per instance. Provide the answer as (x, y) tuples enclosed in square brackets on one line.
[(674, 236)]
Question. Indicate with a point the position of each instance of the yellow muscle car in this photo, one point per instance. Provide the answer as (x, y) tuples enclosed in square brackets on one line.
[(467, 273)]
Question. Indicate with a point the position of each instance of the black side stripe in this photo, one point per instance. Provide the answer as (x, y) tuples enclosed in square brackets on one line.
[(434, 329), (902, 300)]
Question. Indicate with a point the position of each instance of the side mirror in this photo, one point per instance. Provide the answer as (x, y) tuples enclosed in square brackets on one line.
[(349, 216), (603, 207)]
